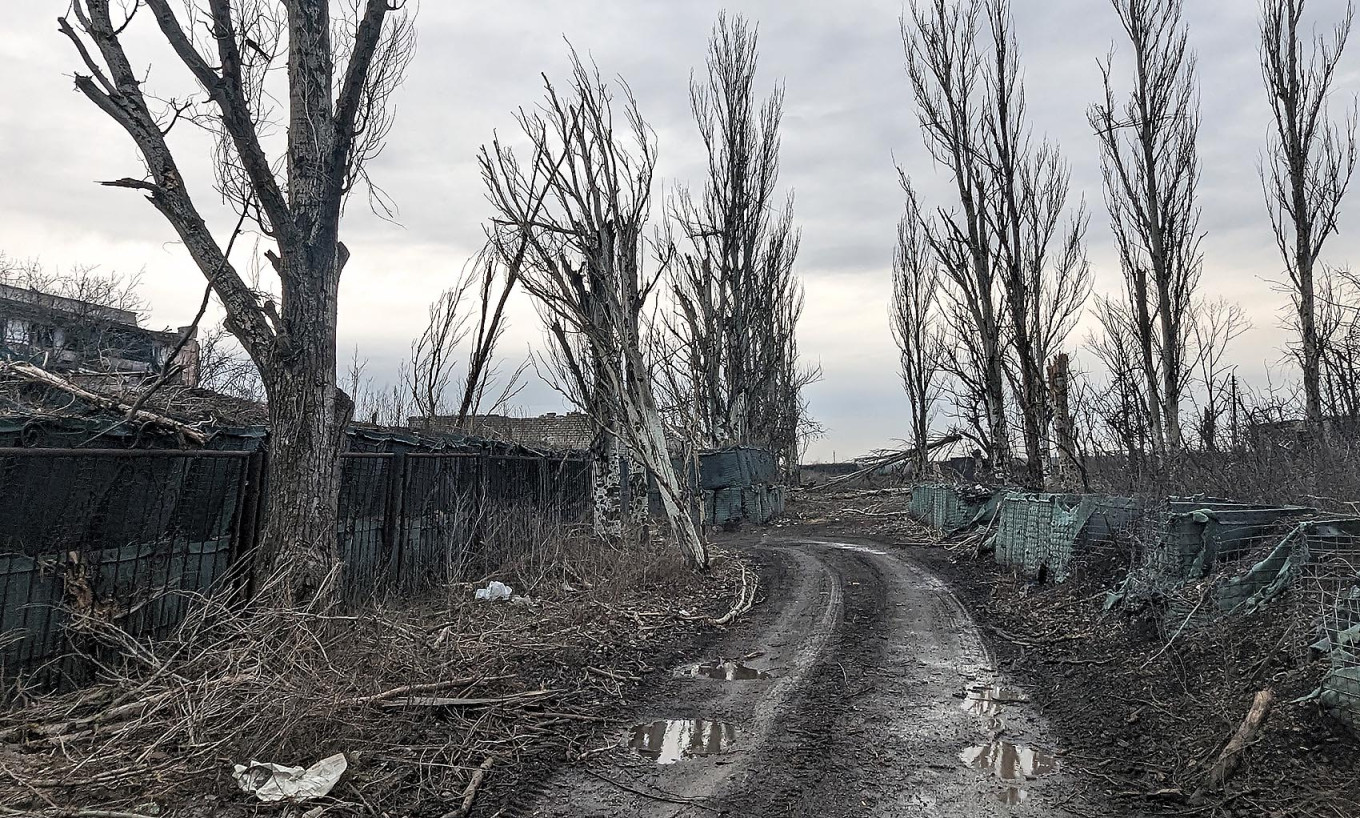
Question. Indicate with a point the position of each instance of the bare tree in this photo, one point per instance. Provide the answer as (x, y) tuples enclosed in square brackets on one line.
[(224, 367), (1215, 324), (1308, 167), (581, 207), (435, 352), (1016, 270), (1123, 408), (458, 345), (944, 67), (1151, 171), (338, 73), (914, 316), (1338, 326), (1044, 275), (737, 300)]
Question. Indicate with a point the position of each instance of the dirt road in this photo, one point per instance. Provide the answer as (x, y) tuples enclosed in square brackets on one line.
[(873, 695)]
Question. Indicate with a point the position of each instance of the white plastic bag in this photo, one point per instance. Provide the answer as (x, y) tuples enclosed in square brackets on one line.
[(495, 591), (275, 782)]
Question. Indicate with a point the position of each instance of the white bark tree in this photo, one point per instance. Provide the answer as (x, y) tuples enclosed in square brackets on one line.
[(580, 203)]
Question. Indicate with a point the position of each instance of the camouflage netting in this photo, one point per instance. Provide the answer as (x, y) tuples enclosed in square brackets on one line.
[(1193, 559)]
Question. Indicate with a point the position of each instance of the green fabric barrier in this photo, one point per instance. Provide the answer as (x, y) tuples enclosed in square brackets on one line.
[(1340, 696), (1267, 578)]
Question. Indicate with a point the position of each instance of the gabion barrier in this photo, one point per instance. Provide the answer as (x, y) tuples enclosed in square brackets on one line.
[(1042, 533), (1242, 556)]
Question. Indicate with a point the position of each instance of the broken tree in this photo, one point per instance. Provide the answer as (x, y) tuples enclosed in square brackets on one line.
[(580, 205)]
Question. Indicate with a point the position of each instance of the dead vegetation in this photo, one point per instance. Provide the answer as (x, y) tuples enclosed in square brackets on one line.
[(431, 702)]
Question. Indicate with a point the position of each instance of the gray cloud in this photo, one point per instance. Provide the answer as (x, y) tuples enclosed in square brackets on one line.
[(849, 115)]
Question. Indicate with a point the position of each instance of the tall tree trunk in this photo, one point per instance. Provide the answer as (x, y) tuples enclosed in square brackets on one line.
[(307, 423), (606, 474)]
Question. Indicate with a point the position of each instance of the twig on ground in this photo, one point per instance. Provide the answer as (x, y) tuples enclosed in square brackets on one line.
[(1232, 753), (470, 792)]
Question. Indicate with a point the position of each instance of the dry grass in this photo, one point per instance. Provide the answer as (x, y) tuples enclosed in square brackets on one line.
[(419, 696)]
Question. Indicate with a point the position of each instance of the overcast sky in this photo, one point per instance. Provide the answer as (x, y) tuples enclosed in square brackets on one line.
[(848, 119)]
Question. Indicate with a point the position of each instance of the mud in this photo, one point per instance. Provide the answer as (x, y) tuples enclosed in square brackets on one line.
[(863, 717)]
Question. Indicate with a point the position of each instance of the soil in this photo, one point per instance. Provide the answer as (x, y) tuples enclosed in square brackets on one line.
[(869, 656), (906, 678)]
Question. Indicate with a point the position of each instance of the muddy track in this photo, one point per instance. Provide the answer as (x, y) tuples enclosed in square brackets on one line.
[(869, 655)]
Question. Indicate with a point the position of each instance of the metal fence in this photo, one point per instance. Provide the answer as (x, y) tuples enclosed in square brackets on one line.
[(132, 537)]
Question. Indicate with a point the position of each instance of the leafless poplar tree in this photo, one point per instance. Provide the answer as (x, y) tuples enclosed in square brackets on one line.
[(1151, 171), (1018, 270), (1308, 166), (1045, 277), (737, 300), (945, 67), (914, 316), (339, 73), (580, 205)]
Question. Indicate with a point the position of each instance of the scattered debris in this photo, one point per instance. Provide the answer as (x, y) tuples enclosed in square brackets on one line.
[(275, 782), (495, 591)]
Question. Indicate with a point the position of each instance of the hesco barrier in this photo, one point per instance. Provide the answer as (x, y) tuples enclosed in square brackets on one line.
[(1041, 533), (1247, 554), (944, 507), (736, 485)]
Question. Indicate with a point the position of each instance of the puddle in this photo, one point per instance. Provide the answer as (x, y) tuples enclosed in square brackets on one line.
[(845, 546), (1011, 796), (1012, 763), (989, 700), (724, 671), (671, 740)]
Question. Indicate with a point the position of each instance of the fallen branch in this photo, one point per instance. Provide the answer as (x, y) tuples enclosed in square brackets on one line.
[(440, 701), (609, 674), (746, 597), (1232, 754), (406, 690), (32, 374), (470, 792)]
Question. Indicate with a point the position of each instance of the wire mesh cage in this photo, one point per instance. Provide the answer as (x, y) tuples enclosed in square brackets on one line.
[(134, 537), (128, 537)]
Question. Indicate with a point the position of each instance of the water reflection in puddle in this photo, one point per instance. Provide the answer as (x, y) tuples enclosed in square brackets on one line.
[(1011, 796), (845, 546), (988, 700), (1009, 762), (670, 740), (724, 671)]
